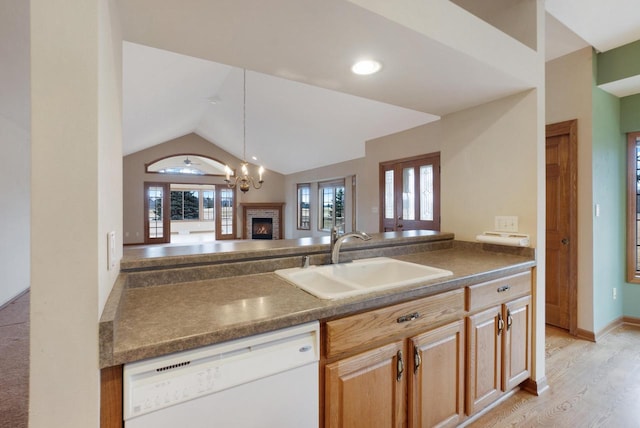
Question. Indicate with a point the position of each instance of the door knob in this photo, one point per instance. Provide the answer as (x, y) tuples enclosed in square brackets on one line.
[(565, 241)]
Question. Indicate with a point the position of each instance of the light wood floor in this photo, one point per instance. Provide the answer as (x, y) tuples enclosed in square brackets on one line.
[(591, 385)]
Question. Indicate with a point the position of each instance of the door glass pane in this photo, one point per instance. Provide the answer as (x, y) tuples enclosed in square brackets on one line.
[(327, 208), (226, 211), (408, 194), (426, 192), (155, 212), (338, 203), (304, 198), (388, 194)]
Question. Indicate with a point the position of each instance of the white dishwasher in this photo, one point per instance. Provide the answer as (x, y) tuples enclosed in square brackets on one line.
[(266, 380)]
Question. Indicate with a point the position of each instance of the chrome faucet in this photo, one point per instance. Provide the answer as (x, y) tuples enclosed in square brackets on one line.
[(336, 241)]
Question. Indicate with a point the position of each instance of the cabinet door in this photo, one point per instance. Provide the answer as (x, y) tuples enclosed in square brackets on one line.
[(436, 384), (517, 342), (484, 358), (367, 390)]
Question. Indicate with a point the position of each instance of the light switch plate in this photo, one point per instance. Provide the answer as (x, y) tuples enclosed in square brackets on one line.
[(111, 250), (506, 223)]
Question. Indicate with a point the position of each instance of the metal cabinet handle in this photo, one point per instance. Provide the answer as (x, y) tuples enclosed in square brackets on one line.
[(503, 288), (400, 366), (509, 320), (565, 241), (417, 360), (500, 324), (409, 317)]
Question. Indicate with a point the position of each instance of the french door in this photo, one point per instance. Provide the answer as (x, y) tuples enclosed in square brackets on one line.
[(157, 219), (410, 193), (225, 213)]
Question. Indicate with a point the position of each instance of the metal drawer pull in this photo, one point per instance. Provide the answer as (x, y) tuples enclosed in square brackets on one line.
[(500, 324), (503, 288), (409, 317)]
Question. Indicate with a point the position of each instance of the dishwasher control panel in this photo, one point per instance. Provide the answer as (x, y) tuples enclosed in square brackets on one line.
[(156, 383)]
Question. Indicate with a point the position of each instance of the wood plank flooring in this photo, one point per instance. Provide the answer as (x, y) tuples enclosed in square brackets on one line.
[(591, 385)]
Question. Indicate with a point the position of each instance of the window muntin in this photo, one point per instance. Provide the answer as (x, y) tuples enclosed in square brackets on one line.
[(426, 192), (303, 204), (155, 214), (192, 204), (331, 205), (226, 211), (208, 205), (389, 196), (410, 193), (186, 164)]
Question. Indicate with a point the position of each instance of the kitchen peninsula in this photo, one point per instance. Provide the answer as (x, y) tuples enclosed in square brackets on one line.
[(169, 299)]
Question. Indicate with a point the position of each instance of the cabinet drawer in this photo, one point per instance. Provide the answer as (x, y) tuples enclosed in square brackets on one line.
[(382, 325), (498, 291)]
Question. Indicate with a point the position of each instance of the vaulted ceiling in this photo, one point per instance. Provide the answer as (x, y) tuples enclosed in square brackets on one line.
[(183, 62), (304, 107)]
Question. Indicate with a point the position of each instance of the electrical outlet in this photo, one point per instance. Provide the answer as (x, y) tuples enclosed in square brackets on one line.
[(506, 223), (615, 293)]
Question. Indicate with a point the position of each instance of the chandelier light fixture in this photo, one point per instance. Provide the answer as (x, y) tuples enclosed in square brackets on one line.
[(244, 181)]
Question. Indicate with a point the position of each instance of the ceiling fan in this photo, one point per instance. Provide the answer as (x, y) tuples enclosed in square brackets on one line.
[(188, 162)]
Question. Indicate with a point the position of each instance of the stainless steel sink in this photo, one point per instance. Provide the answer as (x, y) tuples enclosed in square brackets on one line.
[(361, 276)]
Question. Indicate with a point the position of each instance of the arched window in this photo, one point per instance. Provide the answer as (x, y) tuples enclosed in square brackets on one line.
[(186, 164)]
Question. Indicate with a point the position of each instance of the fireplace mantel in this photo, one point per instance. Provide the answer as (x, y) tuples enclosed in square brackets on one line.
[(265, 210)]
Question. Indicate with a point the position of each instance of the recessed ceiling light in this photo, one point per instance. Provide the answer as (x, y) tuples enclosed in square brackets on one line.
[(365, 67)]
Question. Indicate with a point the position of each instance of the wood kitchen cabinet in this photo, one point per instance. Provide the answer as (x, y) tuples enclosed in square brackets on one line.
[(498, 339), (436, 385), (368, 389), (415, 379)]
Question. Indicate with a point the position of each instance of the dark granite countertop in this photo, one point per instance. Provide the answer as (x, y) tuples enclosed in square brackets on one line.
[(146, 321)]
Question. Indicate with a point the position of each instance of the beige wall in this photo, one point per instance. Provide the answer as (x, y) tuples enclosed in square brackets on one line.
[(487, 168), (488, 158), (76, 181), (569, 96), (135, 177), (516, 18), (345, 170)]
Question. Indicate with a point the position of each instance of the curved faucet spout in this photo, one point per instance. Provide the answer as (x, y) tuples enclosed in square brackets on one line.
[(336, 242)]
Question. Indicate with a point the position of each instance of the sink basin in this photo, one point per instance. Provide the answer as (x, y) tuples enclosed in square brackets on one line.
[(358, 277)]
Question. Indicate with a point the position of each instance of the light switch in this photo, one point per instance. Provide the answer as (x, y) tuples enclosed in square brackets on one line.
[(111, 250)]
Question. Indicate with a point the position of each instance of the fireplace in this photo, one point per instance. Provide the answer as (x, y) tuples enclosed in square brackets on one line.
[(262, 220), (261, 228)]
